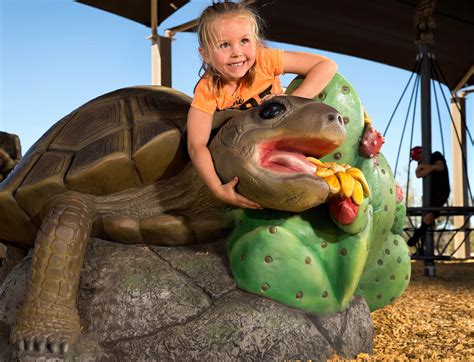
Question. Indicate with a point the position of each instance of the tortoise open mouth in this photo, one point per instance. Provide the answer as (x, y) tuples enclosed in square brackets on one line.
[(289, 155)]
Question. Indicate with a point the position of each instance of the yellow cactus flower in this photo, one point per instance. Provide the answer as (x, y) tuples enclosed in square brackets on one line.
[(315, 161), (358, 194), (342, 179), (334, 184), (347, 183), (359, 176), (367, 119)]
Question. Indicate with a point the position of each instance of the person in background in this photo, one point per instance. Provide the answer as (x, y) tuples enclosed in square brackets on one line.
[(440, 189)]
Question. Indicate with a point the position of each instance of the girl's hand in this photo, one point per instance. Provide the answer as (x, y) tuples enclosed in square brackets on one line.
[(268, 96), (227, 193)]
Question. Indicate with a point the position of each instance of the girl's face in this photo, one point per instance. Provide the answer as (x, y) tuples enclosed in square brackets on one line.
[(234, 49)]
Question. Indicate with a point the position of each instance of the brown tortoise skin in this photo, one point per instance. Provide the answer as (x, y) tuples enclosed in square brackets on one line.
[(117, 168)]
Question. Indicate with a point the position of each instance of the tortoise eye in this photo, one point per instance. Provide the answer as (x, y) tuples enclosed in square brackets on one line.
[(272, 110)]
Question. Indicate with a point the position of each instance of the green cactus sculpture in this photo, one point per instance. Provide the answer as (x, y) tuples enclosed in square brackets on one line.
[(310, 260)]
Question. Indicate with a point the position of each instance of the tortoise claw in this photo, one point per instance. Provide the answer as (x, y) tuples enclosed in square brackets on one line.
[(56, 335), (30, 345), (54, 347), (41, 345), (64, 347)]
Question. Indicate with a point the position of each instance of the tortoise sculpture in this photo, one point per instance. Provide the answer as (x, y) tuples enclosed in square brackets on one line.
[(117, 168)]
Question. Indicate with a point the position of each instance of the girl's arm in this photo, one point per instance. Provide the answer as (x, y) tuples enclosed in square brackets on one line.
[(199, 129), (317, 70)]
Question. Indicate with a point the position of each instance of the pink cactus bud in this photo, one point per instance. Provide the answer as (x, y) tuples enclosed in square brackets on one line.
[(399, 193), (371, 143), (343, 209)]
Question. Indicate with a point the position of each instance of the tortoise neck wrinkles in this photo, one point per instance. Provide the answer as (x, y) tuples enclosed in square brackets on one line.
[(183, 194)]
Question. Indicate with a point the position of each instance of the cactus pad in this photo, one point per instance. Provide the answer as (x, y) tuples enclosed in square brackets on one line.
[(314, 261)]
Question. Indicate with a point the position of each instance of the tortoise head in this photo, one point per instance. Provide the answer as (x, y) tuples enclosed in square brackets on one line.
[(267, 146)]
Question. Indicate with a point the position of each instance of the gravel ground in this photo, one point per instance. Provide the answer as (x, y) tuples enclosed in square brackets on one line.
[(432, 320)]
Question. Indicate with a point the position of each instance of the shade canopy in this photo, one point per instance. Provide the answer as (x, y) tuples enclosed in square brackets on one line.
[(137, 10), (382, 31)]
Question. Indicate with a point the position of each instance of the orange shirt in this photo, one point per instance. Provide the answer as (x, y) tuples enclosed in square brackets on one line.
[(268, 67)]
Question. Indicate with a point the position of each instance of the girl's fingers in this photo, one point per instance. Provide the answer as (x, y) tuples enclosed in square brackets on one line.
[(231, 196), (244, 202), (232, 183), (268, 96)]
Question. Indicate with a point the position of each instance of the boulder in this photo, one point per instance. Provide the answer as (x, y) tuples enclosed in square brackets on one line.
[(181, 303)]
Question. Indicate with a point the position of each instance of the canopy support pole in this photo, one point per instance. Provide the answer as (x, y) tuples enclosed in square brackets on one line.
[(424, 26), (460, 184), (160, 51), (459, 188), (429, 265)]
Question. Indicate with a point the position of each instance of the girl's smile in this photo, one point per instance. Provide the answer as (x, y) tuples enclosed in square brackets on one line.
[(234, 50)]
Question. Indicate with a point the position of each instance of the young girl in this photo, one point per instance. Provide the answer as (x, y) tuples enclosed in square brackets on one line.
[(240, 72)]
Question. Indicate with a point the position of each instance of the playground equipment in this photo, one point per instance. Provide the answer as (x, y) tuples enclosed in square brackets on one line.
[(429, 77)]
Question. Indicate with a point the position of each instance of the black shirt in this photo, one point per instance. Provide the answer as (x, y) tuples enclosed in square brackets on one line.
[(439, 179)]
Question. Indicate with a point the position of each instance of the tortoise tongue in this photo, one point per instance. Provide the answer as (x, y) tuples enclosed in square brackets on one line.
[(343, 209), (288, 162)]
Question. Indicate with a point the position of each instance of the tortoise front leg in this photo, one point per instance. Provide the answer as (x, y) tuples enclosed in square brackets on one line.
[(49, 317)]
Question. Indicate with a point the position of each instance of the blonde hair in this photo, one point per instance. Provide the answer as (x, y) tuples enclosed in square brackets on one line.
[(207, 37)]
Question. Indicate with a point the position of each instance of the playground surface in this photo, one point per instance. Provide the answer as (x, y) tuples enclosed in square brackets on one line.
[(433, 319)]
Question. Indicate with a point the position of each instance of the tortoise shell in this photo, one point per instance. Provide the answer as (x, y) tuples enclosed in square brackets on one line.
[(127, 138)]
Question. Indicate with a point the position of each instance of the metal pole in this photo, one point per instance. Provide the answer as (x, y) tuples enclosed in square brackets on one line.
[(160, 51), (425, 75), (155, 45), (459, 184)]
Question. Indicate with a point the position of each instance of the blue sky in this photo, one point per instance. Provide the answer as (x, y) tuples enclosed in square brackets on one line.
[(56, 55)]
